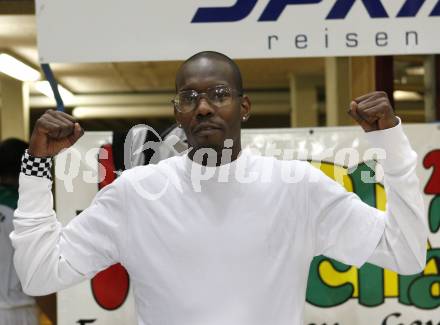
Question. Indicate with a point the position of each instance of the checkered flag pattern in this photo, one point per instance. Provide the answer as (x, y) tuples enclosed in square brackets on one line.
[(36, 166)]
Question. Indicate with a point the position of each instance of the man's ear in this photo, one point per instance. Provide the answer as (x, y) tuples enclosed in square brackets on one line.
[(245, 108)]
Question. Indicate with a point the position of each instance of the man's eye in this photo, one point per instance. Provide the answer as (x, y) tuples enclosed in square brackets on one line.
[(221, 94), (188, 98)]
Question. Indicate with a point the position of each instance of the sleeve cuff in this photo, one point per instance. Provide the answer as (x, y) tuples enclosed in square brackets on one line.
[(36, 166), (398, 152)]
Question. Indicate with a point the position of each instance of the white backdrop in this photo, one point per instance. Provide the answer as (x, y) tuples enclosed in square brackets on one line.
[(78, 303), (142, 30)]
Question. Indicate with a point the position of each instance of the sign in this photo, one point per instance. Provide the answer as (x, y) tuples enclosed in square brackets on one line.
[(141, 30), (337, 293)]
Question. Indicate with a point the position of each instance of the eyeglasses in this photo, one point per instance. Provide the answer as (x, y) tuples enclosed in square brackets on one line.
[(219, 96)]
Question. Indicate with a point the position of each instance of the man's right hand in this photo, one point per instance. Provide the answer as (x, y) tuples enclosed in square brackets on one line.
[(53, 132)]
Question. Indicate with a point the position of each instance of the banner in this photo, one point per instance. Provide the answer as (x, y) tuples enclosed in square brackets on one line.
[(141, 30), (337, 293), (107, 299)]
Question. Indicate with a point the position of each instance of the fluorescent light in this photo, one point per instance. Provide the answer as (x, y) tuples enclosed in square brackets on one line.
[(157, 110), (407, 96), (44, 88), (415, 71), (109, 112), (17, 69)]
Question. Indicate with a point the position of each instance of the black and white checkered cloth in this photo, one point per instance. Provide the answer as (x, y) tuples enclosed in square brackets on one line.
[(36, 166)]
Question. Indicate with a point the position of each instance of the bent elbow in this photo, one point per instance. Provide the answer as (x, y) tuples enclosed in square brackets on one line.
[(32, 291), (29, 287), (36, 291), (33, 282), (415, 267), (411, 271)]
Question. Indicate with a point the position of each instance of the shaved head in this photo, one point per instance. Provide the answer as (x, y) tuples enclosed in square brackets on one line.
[(211, 58), (214, 117)]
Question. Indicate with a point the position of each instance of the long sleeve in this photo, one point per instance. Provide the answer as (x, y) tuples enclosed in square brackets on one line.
[(353, 232), (49, 257), (402, 247)]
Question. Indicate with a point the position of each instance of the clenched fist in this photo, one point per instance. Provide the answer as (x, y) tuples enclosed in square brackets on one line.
[(373, 111), (53, 132)]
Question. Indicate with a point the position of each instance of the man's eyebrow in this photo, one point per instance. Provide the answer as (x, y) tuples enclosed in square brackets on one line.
[(184, 89), (210, 87)]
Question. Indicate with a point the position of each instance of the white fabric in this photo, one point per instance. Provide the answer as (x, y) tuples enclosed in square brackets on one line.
[(19, 316), (11, 293), (231, 254)]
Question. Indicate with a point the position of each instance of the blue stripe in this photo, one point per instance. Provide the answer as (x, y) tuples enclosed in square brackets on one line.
[(436, 10), (54, 85), (410, 8), (342, 7)]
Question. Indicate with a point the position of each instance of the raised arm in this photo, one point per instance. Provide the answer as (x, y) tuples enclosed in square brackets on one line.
[(402, 246), (47, 256), (353, 232)]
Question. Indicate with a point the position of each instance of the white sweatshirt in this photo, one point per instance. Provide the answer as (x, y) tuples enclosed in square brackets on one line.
[(234, 253)]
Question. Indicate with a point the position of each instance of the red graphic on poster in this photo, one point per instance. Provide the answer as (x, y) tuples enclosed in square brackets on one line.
[(110, 287), (106, 160), (432, 159)]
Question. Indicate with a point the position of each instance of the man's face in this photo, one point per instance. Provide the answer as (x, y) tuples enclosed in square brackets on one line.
[(208, 125)]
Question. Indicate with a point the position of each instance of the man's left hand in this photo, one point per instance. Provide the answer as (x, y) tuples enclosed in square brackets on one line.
[(373, 112)]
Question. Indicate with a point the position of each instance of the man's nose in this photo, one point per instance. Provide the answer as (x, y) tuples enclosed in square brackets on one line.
[(204, 108)]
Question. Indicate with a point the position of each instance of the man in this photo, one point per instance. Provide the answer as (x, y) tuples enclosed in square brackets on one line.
[(16, 308), (202, 250)]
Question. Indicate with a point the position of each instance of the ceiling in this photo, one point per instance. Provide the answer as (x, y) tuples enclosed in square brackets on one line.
[(18, 37)]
